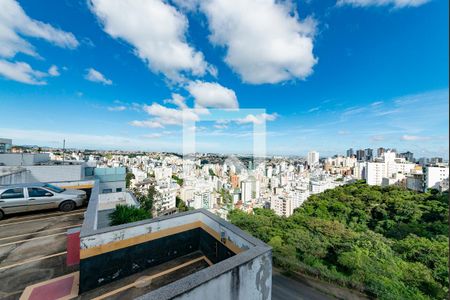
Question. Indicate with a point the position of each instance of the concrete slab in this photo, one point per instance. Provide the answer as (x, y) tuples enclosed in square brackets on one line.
[(64, 287), (33, 249)]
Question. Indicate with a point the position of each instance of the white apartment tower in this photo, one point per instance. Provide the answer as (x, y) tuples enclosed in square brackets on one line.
[(313, 158), (282, 206), (246, 187), (391, 167), (436, 177)]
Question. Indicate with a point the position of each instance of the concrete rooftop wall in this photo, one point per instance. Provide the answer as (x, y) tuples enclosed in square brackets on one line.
[(245, 276), (110, 200), (252, 280), (95, 238), (56, 173), (23, 159)]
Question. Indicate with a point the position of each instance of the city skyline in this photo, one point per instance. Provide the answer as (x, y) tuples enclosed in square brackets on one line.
[(361, 154), (88, 76)]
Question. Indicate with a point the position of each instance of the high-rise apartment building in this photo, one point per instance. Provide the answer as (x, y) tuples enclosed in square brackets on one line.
[(313, 158), (246, 189), (409, 156), (436, 160), (368, 153), (283, 206), (360, 155), (390, 167), (350, 152)]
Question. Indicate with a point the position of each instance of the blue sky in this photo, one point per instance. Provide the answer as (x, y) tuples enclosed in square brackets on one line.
[(330, 74)]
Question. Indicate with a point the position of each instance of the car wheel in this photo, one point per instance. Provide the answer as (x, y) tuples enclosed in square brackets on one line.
[(2, 214), (67, 206)]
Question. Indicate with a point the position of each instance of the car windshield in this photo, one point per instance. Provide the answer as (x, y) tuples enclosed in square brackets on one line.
[(54, 188)]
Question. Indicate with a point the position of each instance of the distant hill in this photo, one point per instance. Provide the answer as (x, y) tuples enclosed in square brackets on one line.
[(389, 243)]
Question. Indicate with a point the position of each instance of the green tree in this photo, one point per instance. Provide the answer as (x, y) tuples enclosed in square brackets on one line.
[(128, 178), (180, 181), (390, 243), (148, 200), (181, 205), (127, 214)]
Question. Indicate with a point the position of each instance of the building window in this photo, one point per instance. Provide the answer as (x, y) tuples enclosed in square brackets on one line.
[(89, 171), (118, 189), (107, 191)]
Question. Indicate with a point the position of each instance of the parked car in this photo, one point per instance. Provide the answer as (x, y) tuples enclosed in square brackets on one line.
[(37, 196)]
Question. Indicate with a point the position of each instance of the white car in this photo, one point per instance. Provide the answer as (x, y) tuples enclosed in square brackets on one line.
[(36, 196)]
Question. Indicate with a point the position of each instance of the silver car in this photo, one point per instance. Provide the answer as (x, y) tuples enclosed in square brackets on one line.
[(37, 196)]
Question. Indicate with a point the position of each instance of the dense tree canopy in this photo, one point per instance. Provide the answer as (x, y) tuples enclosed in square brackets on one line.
[(390, 243)]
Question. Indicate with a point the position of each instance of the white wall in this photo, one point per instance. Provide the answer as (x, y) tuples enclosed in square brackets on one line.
[(56, 173), (251, 281), (23, 159), (435, 175)]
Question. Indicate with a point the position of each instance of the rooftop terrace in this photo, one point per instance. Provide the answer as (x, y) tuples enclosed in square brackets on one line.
[(180, 256)]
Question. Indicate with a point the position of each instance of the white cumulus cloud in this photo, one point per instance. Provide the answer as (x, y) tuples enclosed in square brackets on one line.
[(395, 3), (415, 138), (156, 30), (153, 135), (95, 76), (147, 124), (177, 100), (53, 71), (266, 41), (258, 119), (117, 108), (212, 95), (15, 24), (170, 116), (21, 72)]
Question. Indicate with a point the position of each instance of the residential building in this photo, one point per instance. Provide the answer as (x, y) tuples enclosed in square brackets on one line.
[(415, 182), (375, 171), (234, 181), (360, 155), (165, 197), (436, 177), (350, 152), (368, 154), (162, 173), (5, 145), (247, 191), (436, 160), (409, 156), (313, 158), (380, 151), (390, 167), (112, 180), (281, 205)]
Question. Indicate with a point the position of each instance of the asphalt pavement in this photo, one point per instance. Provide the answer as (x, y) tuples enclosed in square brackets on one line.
[(33, 248), (285, 288)]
